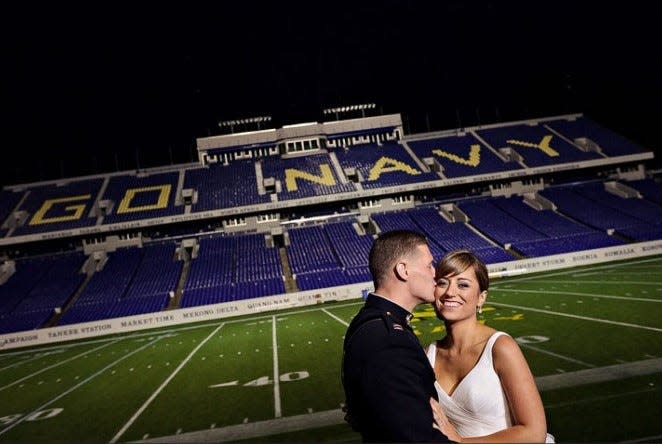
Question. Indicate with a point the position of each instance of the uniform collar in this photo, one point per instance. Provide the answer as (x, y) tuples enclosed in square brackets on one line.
[(380, 302)]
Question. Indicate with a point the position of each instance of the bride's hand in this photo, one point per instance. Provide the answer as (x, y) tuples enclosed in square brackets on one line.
[(442, 423)]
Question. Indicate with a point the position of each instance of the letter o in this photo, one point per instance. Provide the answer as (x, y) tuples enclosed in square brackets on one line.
[(294, 376)]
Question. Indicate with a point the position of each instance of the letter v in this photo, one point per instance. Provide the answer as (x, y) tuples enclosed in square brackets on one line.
[(473, 160)]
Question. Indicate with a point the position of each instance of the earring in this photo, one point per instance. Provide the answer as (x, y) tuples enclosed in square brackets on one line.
[(480, 309)]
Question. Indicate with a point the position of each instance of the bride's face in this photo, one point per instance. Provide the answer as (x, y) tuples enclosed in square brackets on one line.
[(458, 296)]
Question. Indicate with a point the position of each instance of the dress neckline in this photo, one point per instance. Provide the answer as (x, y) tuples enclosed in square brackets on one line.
[(480, 358)]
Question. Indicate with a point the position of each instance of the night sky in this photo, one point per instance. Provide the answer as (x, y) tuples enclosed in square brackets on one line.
[(96, 88)]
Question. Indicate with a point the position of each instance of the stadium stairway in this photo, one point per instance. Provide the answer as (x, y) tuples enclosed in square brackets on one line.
[(58, 314), (290, 283), (179, 290)]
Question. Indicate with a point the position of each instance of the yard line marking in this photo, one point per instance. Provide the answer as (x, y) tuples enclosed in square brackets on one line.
[(346, 324), (629, 272), (571, 293), (81, 383), (142, 408), (25, 360), (257, 429), (598, 398), (548, 281), (58, 364), (654, 271), (58, 348), (585, 318), (277, 407), (556, 355)]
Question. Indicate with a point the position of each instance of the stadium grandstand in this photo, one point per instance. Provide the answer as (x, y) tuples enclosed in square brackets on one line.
[(285, 216)]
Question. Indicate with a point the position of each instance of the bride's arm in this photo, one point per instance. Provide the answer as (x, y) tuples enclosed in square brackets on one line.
[(526, 409)]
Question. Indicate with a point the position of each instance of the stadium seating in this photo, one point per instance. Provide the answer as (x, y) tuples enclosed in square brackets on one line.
[(52, 208), (461, 155), (224, 186), (8, 201), (330, 246), (328, 256), (305, 176), (588, 211), (609, 142), (105, 288), (650, 189), (141, 197), (536, 144), (157, 274), (383, 165), (39, 286), (233, 267)]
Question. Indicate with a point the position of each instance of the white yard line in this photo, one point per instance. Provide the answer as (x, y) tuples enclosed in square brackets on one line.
[(63, 347), (256, 429), (629, 273), (57, 364), (598, 398), (346, 324), (274, 342), (556, 355), (142, 408), (571, 293), (544, 280), (596, 375), (28, 359), (83, 382), (585, 318)]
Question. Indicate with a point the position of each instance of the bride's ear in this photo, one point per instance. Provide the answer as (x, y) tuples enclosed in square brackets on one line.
[(482, 297)]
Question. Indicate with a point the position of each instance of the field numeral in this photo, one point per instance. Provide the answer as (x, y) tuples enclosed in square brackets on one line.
[(36, 416), (265, 380)]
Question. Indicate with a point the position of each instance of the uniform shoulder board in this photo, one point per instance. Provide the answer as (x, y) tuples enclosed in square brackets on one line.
[(394, 325)]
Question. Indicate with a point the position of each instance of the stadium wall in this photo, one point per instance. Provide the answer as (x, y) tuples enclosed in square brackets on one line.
[(305, 298)]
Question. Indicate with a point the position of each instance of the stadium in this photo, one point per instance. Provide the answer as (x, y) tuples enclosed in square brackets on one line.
[(282, 219), (206, 299)]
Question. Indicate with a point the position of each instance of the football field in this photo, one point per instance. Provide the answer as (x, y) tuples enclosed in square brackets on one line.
[(592, 337)]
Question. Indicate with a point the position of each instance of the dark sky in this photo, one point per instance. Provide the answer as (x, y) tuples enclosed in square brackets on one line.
[(100, 87)]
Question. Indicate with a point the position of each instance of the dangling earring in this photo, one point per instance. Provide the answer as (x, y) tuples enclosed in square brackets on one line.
[(480, 309)]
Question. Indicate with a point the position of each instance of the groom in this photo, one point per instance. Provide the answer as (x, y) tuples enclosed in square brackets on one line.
[(387, 378)]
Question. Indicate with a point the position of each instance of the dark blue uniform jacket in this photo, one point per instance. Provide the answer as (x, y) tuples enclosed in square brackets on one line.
[(387, 377)]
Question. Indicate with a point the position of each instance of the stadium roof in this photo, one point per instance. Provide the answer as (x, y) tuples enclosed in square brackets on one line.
[(91, 90)]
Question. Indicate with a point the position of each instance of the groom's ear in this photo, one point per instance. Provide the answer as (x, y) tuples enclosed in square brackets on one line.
[(401, 271)]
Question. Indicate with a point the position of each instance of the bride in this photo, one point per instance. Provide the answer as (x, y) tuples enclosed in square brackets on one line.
[(486, 390)]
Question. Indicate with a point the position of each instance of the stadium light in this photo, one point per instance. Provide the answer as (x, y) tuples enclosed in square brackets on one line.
[(232, 123), (349, 108)]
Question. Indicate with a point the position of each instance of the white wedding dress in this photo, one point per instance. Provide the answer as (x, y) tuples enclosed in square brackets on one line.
[(478, 405)]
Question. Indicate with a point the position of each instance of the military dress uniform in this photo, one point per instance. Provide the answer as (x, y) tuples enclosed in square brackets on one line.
[(387, 377)]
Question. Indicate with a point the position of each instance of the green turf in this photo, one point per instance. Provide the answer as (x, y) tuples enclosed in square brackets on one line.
[(221, 376)]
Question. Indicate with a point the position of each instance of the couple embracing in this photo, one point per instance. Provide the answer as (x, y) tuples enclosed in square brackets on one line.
[(472, 385)]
